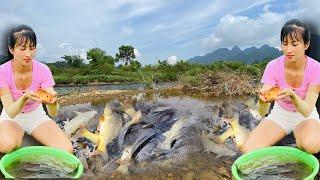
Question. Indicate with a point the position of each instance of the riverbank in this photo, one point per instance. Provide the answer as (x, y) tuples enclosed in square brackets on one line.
[(96, 96)]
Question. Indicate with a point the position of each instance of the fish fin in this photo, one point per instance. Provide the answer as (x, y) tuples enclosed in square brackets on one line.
[(141, 140)]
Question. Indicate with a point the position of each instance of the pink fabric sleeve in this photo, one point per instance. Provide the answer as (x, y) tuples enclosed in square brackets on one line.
[(3, 80), (268, 75), (315, 75), (47, 78)]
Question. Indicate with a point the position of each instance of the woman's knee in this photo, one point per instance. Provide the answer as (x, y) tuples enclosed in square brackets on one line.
[(306, 135), (11, 136), (8, 144), (310, 145)]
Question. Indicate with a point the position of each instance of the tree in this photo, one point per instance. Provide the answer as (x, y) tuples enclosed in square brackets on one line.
[(98, 57), (134, 65), (73, 60), (100, 61), (95, 55), (126, 54), (163, 64)]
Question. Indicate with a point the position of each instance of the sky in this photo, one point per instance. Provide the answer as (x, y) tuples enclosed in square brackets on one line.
[(158, 29)]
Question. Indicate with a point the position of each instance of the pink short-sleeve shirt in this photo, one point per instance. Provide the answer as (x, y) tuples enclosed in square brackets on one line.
[(274, 75), (41, 78)]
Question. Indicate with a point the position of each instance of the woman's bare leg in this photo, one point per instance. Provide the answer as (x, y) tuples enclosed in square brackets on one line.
[(267, 133), (11, 136), (49, 134), (307, 135)]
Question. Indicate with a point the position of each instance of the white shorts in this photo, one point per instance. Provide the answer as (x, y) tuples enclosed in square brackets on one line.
[(288, 120), (29, 120)]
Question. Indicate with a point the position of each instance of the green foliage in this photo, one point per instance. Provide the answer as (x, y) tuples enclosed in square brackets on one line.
[(58, 64), (94, 56), (134, 66), (98, 57), (103, 78), (126, 54), (163, 64), (147, 79), (101, 69), (73, 60)]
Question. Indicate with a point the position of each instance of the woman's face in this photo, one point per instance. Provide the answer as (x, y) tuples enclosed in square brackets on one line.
[(293, 49), (23, 53)]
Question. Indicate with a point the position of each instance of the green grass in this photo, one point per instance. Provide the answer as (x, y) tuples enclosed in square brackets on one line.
[(183, 71)]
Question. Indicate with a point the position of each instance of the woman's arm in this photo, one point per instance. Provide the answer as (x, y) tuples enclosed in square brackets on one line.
[(52, 108), (13, 108), (263, 107), (305, 107)]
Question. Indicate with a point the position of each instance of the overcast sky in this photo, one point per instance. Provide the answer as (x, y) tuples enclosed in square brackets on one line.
[(157, 29)]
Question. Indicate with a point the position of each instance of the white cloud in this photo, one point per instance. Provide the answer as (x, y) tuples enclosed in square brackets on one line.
[(172, 60), (252, 5), (311, 12), (244, 31), (266, 8), (68, 49), (136, 53)]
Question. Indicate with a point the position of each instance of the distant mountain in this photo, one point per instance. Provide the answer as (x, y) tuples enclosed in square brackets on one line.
[(248, 55)]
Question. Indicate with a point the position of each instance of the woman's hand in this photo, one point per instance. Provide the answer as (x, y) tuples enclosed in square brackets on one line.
[(261, 93), (47, 96), (288, 92), (54, 97), (30, 95)]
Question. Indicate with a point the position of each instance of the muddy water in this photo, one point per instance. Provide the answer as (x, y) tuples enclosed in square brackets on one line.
[(42, 166), (275, 167), (199, 165), (64, 90)]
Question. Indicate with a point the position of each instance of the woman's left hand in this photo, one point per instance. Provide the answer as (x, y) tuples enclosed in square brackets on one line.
[(288, 92), (54, 97)]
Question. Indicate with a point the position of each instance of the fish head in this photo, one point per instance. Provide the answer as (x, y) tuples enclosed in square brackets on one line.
[(113, 106)]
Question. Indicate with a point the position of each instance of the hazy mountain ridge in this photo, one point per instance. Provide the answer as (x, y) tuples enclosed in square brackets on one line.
[(248, 55)]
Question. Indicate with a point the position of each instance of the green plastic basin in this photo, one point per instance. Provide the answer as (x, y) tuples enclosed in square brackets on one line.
[(288, 152), (31, 152)]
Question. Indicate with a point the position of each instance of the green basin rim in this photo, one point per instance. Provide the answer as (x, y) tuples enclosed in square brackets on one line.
[(39, 150), (295, 153)]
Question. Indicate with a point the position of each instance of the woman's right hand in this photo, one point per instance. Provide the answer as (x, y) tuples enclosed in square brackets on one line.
[(30, 95), (262, 91)]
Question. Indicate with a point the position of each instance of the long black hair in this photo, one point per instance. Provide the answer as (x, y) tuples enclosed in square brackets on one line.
[(21, 34), (295, 30)]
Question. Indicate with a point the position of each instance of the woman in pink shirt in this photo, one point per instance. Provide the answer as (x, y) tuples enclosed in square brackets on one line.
[(22, 109), (294, 110)]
